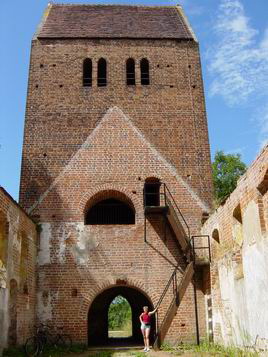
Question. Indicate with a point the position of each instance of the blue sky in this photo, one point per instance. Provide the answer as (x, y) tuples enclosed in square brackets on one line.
[(233, 36)]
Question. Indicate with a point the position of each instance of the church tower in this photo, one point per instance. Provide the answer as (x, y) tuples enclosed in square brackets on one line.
[(116, 168)]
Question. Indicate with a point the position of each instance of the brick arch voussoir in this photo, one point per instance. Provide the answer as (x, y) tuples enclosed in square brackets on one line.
[(131, 283), (94, 195)]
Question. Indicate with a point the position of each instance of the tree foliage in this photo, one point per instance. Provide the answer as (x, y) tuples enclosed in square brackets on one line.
[(226, 170), (119, 313)]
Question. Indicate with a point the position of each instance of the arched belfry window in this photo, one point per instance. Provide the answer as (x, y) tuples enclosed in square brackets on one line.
[(87, 73), (145, 73), (110, 211), (102, 72), (130, 69)]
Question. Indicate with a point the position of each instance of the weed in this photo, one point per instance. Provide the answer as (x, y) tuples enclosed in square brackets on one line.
[(214, 349), (102, 354)]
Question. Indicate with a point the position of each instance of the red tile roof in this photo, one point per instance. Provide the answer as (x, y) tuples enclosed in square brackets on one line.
[(113, 21)]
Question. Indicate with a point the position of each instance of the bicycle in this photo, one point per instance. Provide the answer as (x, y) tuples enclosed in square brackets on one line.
[(35, 345)]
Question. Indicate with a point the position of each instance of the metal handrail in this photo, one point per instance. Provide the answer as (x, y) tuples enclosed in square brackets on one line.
[(181, 215), (206, 247), (171, 279), (168, 200)]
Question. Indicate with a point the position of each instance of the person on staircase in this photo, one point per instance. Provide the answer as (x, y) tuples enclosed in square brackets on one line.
[(145, 319)]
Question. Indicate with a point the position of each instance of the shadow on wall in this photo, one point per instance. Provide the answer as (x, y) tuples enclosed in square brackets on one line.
[(166, 235)]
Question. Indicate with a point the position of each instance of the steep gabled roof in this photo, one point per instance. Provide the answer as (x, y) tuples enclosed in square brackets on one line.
[(114, 21)]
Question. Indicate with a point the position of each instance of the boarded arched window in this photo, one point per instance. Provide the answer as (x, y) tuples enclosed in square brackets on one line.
[(110, 211), (87, 73), (130, 69), (102, 72), (145, 75)]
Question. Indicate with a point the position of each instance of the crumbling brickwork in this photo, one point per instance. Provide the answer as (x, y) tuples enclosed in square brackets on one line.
[(18, 252), (239, 269)]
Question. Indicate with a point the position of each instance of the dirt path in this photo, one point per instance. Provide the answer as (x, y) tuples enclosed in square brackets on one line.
[(137, 353)]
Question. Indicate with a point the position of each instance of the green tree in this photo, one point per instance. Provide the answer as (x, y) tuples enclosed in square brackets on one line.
[(119, 313), (226, 170)]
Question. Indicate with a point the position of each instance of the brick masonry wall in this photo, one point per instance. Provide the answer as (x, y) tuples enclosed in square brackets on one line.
[(239, 273), (114, 161), (18, 276), (61, 113), (82, 142)]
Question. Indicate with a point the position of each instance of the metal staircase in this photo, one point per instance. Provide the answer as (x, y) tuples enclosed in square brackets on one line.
[(158, 200)]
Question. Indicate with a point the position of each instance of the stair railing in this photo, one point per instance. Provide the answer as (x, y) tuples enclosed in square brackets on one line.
[(172, 281), (162, 197)]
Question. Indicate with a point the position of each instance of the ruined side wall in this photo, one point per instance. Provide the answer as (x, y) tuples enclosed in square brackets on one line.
[(18, 250), (239, 270)]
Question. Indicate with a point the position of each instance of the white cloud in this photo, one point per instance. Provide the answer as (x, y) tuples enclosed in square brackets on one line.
[(263, 124), (239, 61), (191, 8)]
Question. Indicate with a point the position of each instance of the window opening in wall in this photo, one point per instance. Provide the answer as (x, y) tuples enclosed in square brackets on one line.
[(237, 225), (110, 211), (102, 72), (13, 306), (237, 214), (119, 318), (3, 242), (23, 260), (4, 228), (87, 73), (145, 76), (130, 68), (152, 192), (263, 186), (215, 235)]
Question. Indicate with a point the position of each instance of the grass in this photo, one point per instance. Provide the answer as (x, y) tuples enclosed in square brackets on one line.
[(209, 348), (204, 349), (48, 352)]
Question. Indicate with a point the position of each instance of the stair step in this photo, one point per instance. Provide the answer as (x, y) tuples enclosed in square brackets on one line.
[(178, 229)]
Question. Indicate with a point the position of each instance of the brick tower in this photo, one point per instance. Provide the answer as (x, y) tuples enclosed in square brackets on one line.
[(116, 168)]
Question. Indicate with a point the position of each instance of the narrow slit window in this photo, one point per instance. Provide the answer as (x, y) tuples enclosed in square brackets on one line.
[(87, 73), (145, 74), (102, 72), (130, 68)]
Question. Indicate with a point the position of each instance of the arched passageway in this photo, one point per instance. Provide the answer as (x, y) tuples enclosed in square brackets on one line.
[(98, 317)]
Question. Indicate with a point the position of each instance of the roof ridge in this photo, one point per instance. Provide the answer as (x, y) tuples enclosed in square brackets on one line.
[(109, 5)]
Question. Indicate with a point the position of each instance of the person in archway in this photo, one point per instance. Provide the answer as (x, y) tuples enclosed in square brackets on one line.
[(145, 319)]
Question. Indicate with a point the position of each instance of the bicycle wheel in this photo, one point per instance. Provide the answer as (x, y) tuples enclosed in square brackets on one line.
[(64, 342), (32, 347)]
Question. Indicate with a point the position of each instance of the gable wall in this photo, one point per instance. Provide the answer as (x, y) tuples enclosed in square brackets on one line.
[(116, 158)]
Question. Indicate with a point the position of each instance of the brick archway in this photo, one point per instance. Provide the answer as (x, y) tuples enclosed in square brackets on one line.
[(91, 197), (98, 316)]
